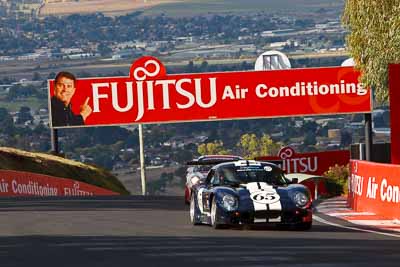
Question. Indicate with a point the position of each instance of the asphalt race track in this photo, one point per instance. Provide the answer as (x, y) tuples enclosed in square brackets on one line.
[(155, 231)]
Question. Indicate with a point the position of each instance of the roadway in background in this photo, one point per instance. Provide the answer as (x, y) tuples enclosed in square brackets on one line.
[(155, 231), (25, 69)]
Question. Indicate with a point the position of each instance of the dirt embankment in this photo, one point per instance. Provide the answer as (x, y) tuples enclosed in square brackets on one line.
[(19, 160)]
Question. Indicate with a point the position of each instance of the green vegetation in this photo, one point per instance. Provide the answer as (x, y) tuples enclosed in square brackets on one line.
[(157, 187), (15, 105), (201, 7), (337, 179), (251, 146), (374, 41), (19, 160), (214, 148)]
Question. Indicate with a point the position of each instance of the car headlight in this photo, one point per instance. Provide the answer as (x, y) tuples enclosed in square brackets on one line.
[(300, 199), (229, 202), (194, 180)]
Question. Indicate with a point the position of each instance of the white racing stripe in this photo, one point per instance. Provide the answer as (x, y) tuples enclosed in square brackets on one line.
[(253, 188), (200, 200), (266, 198)]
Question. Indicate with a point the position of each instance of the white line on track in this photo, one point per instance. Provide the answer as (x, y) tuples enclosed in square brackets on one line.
[(375, 222), (318, 219), (326, 209), (333, 202), (341, 214)]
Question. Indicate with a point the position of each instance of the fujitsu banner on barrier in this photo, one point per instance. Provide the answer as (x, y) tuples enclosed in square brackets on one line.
[(315, 163), (394, 96), (375, 187), (149, 95), (16, 183)]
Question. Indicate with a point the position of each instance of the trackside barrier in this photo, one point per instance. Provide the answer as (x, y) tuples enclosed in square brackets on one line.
[(17, 183), (375, 187)]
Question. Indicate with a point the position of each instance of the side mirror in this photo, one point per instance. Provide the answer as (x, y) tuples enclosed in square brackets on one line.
[(295, 180)]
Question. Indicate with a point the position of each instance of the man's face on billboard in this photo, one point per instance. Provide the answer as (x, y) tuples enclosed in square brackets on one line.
[(64, 90)]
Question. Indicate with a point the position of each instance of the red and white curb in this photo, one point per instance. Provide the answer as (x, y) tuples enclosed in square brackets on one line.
[(338, 207)]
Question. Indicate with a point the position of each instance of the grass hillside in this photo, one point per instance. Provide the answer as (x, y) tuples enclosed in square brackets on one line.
[(299, 8), (19, 160), (187, 8)]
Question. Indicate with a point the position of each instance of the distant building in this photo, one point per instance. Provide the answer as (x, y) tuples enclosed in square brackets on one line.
[(276, 33)]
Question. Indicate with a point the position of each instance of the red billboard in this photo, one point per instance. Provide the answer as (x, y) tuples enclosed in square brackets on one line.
[(394, 96), (17, 183), (311, 163), (375, 187), (150, 95)]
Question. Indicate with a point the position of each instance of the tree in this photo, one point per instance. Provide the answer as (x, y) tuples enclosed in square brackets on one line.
[(104, 50), (268, 146), (251, 146), (374, 40), (157, 187), (248, 145), (51, 75), (36, 76), (346, 138), (204, 66), (190, 67), (181, 155), (337, 179), (310, 139), (19, 91), (24, 115), (6, 122), (215, 148), (310, 126)]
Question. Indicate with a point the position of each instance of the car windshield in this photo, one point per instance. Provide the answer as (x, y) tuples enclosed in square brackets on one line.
[(234, 175), (202, 168)]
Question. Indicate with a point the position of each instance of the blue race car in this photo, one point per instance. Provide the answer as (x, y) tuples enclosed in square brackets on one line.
[(250, 192)]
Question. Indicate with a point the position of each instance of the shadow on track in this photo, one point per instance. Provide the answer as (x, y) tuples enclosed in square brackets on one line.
[(194, 251), (92, 203)]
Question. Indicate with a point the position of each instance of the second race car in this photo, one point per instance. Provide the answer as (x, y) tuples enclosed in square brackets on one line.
[(198, 169)]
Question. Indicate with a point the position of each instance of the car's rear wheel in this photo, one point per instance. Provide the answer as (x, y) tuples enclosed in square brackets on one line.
[(214, 214), (194, 214)]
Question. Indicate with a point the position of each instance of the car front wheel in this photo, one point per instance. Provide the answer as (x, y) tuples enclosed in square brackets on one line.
[(193, 212), (214, 214)]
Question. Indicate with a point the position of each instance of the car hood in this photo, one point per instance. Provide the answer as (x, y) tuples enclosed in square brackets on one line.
[(243, 191)]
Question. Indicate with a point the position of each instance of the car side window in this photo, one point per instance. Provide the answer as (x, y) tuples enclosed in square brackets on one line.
[(215, 179), (210, 176)]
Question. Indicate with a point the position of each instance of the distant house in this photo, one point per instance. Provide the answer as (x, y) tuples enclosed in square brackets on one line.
[(4, 88), (6, 58), (126, 53), (277, 33), (80, 56)]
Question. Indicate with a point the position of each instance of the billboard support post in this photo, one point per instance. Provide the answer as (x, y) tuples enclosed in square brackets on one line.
[(54, 141), (142, 165), (368, 136)]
